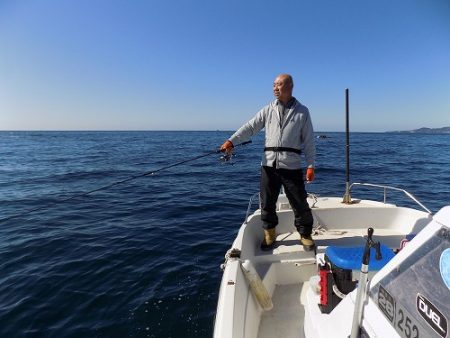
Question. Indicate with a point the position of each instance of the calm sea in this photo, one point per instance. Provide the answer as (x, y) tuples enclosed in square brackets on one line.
[(142, 259)]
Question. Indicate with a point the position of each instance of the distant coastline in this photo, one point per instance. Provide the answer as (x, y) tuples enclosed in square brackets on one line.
[(423, 130)]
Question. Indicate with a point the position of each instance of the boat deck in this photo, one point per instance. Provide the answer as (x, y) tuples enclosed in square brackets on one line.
[(289, 243), (285, 320)]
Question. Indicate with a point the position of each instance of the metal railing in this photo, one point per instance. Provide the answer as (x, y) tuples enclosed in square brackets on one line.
[(250, 203), (386, 187)]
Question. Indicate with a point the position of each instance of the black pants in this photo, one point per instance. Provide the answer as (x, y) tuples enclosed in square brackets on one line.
[(292, 181)]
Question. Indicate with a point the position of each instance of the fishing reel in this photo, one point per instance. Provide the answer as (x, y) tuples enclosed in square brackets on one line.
[(227, 158), (370, 243), (227, 155)]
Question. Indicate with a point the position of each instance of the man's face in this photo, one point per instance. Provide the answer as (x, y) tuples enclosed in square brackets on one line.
[(282, 88)]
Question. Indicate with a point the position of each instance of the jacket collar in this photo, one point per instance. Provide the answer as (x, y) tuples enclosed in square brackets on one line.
[(288, 105)]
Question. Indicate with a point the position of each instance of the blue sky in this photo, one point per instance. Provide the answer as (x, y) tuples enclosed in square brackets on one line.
[(210, 64)]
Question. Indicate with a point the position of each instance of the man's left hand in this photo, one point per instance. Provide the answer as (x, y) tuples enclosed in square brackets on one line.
[(309, 175), (227, 147)]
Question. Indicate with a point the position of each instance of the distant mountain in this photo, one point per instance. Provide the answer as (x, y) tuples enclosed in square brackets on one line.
[(443, 130)]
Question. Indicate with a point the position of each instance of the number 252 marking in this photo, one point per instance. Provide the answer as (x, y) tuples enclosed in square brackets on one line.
[(407, 329)]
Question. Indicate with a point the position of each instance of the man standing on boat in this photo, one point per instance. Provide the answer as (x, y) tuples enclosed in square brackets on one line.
[(289, 132)]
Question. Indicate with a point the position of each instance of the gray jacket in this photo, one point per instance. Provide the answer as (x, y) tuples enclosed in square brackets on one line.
[(295, 130)]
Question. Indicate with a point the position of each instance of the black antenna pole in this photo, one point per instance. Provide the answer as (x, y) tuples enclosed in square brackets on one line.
[(347, 198)]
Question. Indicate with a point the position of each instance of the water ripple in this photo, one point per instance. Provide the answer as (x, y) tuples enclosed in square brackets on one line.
[(142, 259)]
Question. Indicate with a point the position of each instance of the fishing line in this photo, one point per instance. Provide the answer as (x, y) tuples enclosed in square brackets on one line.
[(131, 178)]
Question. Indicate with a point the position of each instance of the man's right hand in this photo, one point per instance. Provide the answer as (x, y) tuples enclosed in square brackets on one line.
[(227, 147)]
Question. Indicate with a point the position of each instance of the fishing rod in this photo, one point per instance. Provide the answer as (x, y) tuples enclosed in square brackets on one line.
[(225, 157), (361, 292)]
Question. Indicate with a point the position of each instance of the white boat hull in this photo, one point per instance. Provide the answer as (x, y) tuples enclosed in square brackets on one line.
[(287, 270)]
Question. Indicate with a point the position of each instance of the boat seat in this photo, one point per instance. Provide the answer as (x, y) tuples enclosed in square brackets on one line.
[(350, 258)]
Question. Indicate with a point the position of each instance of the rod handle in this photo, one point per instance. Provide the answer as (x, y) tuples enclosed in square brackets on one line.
[(237, 145), (369, 234)]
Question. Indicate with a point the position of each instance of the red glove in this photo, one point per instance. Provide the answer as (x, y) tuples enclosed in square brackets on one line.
[(309, 174), (227, 147)]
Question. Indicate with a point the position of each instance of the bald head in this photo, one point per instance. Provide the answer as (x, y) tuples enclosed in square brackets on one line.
[(287, 78), (282, 87)]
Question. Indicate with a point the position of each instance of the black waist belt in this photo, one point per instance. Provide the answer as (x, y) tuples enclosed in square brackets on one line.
[(293, 150)]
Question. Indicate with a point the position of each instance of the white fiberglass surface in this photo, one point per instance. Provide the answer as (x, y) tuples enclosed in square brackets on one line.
[(285, 320)]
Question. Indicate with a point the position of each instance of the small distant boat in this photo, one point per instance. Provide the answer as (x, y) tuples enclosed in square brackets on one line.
[(289, 292), (322, 136)]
